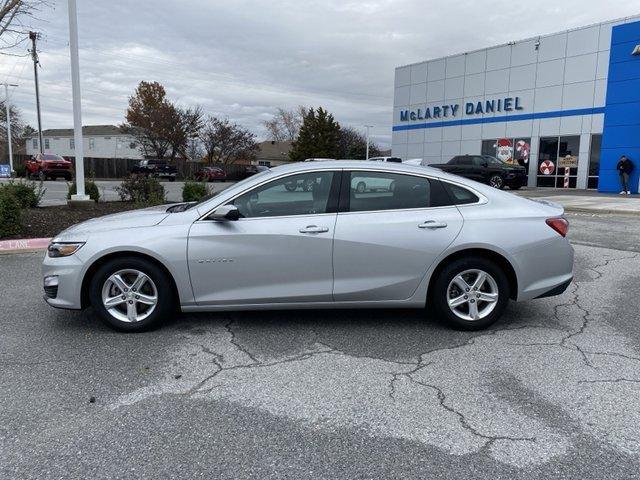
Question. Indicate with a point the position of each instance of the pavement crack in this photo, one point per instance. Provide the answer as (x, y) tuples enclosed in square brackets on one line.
[(464, 422), (237, 344), (614, 380)]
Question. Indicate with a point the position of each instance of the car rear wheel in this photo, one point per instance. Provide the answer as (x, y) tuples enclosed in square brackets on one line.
[(496, 181), (470, 293), (132, 294), (41, 175)]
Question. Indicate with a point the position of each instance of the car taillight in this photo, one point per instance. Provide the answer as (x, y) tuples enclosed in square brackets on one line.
[(559, 224)]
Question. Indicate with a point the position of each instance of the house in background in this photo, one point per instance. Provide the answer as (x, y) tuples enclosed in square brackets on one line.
[(99, 141), (272, 153)]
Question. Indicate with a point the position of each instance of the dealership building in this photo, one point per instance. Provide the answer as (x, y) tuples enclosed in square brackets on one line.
[(566, 106)]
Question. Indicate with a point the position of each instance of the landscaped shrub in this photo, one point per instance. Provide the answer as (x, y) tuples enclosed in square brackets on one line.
[(144, 191), (20, 169), (26, 192), (194, 191), (90, 188), (10, 215)]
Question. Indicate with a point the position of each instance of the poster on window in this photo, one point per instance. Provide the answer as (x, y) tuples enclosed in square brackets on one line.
[(522, 150), (504, 150)]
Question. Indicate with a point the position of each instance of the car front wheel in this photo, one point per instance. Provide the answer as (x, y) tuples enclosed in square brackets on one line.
[(496, 181), (470, 293), (131, 294)]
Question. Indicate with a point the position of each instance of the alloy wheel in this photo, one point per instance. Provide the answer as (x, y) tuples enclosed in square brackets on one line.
[(129, 295), (496, 181), (472, 294)]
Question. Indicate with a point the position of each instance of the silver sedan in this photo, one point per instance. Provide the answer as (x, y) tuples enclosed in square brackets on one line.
[(362, 235)]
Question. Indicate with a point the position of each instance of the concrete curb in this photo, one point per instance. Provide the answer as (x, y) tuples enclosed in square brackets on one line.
[(23, 245), (631, 213)]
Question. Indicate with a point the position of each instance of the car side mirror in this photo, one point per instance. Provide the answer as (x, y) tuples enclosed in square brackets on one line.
[(225, 213)]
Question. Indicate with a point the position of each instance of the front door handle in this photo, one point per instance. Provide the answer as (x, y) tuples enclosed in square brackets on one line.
[(314, 229), (432, 224)]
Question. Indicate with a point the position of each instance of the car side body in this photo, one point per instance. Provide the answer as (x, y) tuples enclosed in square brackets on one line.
[(486, 169), (346, 256)]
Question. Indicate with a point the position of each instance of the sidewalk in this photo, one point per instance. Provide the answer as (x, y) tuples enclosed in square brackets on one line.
[(587, 201)]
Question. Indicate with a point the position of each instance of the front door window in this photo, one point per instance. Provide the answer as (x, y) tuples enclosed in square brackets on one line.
[(302, 194)]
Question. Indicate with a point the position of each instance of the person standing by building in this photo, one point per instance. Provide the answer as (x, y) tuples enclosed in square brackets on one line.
[(625, 167)]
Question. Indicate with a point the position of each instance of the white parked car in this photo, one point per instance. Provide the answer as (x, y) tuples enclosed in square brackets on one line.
[(411, 237)]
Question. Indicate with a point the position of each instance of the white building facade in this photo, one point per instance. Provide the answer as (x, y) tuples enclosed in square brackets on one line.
[(99, 141), (538, 100)]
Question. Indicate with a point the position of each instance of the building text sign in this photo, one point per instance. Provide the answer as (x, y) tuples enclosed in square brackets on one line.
[(506, 104)]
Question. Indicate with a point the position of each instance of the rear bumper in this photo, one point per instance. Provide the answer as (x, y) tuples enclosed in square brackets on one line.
[(544, 269), (557, 290)]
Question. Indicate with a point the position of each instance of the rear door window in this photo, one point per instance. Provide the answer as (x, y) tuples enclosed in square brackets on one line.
[(364, 191)]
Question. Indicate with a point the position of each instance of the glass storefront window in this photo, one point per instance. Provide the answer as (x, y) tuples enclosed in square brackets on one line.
[(547, 162), (594, 161)]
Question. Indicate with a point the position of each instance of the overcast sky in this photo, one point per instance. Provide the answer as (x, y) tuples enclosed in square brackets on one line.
[(242, 59)]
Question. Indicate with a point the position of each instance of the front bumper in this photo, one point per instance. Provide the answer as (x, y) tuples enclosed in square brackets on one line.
[(69, 273)]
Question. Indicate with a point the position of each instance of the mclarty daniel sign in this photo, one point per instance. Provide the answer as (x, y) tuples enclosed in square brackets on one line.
[(506, 104)]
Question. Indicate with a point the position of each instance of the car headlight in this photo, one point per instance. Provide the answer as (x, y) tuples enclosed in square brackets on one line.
[(63, 249)]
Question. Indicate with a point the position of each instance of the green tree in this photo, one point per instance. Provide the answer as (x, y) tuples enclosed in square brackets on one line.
[(319, 137)]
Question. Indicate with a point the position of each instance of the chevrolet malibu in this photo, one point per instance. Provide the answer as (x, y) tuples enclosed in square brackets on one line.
[(365, 235)]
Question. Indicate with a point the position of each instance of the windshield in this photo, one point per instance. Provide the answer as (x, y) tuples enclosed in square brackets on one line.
[(493, 161), (48, 156)]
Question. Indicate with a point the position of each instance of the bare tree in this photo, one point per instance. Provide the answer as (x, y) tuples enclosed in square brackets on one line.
[(285, 124), (185, 125), (16, 17), (225, 142)]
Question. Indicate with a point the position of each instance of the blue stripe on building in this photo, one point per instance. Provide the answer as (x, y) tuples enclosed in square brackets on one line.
[(502, 118), (621, 133)]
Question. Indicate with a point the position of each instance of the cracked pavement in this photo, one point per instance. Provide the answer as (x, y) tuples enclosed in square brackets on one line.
[(553, 390)]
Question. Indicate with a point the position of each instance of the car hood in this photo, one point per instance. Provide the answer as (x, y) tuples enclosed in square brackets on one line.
[(145, 217)]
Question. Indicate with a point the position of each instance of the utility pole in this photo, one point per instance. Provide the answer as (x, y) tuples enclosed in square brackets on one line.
[(80, 197), (368, 127), (6, 106), (34, 36)]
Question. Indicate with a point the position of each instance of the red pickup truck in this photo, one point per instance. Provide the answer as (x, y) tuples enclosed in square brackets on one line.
[(47, 165)]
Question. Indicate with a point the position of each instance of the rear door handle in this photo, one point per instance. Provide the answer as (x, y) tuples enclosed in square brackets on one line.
[(314, 229), (432, 224)]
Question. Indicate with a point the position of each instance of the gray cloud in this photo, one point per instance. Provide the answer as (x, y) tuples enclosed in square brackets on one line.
[(242, 59)]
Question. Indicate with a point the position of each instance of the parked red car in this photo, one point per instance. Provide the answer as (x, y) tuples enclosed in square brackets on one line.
[(211, 174), (48, 165)]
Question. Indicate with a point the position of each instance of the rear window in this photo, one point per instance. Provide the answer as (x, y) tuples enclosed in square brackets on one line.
[(460, 195)]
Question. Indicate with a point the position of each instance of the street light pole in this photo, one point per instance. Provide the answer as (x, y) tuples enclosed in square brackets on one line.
[(368, 127), (34, 55), (6, 106), (77, 111)]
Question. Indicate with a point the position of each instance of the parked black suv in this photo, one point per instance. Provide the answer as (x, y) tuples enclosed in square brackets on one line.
[(155, 168), (486, 169)]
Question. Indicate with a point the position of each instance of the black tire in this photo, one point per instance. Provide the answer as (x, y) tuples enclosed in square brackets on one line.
[(164, 308), (515, 187), (496, 181), (41, 175), (439, 292), (67, 177), (172, 179)]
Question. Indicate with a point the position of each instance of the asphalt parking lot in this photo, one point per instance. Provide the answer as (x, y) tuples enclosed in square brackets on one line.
[(552, 391)]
